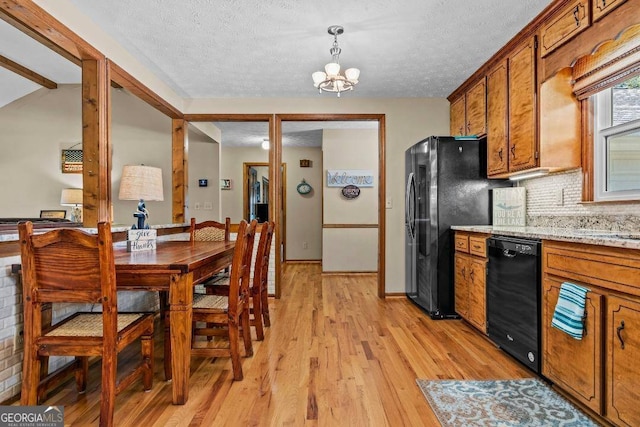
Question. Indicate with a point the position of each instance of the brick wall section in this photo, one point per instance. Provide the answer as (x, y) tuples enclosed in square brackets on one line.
[(11, 318)]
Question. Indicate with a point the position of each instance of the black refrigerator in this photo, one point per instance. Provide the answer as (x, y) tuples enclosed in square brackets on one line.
[(446, 185)]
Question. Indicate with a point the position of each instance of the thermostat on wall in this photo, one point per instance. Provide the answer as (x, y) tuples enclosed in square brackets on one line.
[(203, 182)]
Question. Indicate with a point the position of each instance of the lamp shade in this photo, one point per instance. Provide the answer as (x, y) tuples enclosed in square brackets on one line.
[(141, 182), (71, 197)]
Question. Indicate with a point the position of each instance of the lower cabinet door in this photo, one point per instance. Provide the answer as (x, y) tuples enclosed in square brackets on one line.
[(478, 294), (462, 284), (623, 361), (575, 365)]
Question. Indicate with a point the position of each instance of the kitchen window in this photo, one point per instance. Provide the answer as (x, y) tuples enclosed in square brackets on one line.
[(617, 142)]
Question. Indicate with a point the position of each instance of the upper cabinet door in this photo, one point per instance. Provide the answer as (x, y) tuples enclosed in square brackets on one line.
[(601, 7), (476, 106), (522, 111), (457, 119), (573, 19), (497, 136)]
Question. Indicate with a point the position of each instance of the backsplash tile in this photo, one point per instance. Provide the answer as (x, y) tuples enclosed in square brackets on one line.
[(543, 209)]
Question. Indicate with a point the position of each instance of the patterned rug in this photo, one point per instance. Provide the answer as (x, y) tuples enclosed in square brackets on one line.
[(508, 403)]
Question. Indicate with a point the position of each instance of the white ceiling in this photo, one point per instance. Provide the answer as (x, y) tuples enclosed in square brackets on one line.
[(269, 48)]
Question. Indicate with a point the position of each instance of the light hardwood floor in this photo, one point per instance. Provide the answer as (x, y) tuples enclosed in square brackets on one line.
[(335, 355)]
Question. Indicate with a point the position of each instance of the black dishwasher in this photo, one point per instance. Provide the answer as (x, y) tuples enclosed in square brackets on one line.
[(513, 297)]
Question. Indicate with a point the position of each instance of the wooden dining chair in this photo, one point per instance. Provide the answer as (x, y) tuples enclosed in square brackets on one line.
[(226, 315), (71, 266), (258, 291)]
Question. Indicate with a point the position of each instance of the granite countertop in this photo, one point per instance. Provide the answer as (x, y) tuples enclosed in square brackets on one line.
[(11, 236), (620, 239)]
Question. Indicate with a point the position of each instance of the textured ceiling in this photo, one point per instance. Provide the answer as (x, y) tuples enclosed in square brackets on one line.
[(269, 48)]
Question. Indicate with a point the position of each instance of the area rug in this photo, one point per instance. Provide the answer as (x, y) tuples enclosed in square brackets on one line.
[(506, 403)]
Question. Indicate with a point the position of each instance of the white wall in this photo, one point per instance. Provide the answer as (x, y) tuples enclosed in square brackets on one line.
[(204, 163), (350, 249), (304, 211)]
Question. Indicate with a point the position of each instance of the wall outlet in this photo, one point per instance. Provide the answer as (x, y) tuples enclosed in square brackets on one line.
[(196, 206), (305, 245), (389, 203), (18, 339), (208, 206)]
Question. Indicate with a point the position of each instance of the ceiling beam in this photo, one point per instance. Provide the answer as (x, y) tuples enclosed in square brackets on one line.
[(35, 22), (27, 73)]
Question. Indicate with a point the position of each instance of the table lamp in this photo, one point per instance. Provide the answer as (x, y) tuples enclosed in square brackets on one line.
[(141, 183), (72, 197)]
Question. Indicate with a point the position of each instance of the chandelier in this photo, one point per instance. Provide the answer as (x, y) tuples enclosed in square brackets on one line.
[(330, 80)]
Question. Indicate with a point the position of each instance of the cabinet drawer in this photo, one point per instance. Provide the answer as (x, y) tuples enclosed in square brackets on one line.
[(478, 246), (570, 21), (462, 242), (601, 7)]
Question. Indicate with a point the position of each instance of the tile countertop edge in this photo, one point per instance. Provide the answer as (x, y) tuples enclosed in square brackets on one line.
[(115, 228), (590, 237)]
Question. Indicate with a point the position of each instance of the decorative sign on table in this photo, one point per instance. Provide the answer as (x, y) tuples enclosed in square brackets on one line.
[(509, 207), (141, 240), (342, 177), (351, 191)]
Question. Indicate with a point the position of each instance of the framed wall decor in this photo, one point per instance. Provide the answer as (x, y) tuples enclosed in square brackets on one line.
[(71, 161), (225, 184)]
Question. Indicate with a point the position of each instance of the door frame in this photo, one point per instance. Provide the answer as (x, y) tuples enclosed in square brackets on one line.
[(380, 118), (276, 182)]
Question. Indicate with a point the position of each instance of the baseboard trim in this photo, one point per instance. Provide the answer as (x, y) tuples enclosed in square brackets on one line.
[(395, 294), (350, 273), (303, 261)]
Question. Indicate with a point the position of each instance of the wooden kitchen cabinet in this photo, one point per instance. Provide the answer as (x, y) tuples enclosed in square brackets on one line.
[(566, 24), (457, 119), (511, 113), (470, 278), (612, 276), (522, 107), (497, 121), (582, 374), (623, 361), (477, 311), (468, 113), (461, 280), (601, 7)]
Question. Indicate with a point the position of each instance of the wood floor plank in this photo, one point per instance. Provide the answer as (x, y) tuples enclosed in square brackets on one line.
[(335, 355)]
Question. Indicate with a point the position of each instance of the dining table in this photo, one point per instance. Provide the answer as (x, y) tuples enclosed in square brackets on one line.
[(173, 268)]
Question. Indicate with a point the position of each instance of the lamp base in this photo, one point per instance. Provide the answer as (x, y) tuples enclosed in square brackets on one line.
[(142, 213), (76, 214)]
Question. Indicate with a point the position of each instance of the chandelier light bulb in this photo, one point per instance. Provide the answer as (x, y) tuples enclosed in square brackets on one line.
[(265, 144), (332, 69), (352, 74), (318, 77)]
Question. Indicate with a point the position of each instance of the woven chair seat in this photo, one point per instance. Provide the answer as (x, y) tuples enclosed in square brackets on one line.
[(211, 302), (90, 325), (209, 234)]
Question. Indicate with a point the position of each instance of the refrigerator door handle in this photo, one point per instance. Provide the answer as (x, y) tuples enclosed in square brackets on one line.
[(409, 205)]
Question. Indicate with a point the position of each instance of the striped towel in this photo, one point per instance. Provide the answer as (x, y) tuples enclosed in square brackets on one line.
[(569, 313)]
